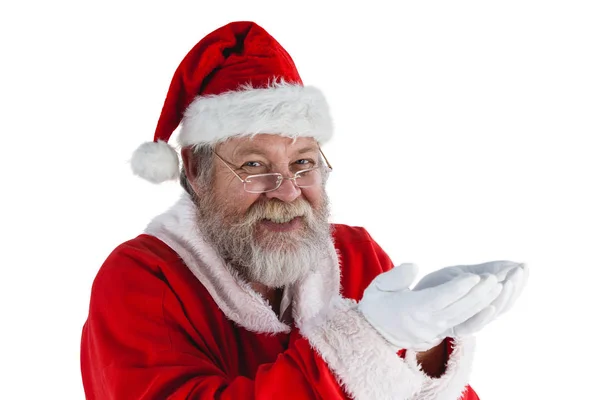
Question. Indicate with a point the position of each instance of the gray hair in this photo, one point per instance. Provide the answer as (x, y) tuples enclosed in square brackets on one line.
[(202, 157)]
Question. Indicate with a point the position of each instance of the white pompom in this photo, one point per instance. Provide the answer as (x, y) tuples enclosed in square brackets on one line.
[(155, 162)]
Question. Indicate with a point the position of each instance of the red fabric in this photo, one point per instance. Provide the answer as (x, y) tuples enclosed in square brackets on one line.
[(469, 393), (232, 55), (154, 332)]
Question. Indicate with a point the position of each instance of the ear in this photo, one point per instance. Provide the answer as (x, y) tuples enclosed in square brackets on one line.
[(190, 168), (187, 156)]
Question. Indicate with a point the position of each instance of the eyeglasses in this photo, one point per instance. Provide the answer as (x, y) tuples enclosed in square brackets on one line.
[(262, 183)]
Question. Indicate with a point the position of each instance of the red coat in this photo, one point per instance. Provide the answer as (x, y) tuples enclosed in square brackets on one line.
[(167, 319)]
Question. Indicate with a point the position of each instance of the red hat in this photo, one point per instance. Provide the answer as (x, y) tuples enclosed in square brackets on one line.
[(238, 80)]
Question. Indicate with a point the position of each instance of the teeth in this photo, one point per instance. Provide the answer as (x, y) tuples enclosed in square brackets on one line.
[(280, 220)]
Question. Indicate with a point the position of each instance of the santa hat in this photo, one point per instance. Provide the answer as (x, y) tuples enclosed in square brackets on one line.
[(238, 80)]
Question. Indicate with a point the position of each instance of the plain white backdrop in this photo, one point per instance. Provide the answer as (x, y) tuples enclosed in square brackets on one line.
[(466, 131)]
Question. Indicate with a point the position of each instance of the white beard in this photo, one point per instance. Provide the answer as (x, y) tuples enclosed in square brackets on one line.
[(281, 267), (277, 259)]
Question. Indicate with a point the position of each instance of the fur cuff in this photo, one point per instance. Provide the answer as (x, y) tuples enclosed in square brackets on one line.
[(283, 108), (452, 384), (366, 365)]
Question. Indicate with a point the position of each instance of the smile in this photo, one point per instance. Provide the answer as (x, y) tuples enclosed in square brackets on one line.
[(280, 220), (286, 224)]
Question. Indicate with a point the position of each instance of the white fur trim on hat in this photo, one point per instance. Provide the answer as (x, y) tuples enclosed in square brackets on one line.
[(286, 109), (156, 162)]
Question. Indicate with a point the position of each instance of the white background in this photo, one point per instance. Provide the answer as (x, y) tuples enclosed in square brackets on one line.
[(466, 131)]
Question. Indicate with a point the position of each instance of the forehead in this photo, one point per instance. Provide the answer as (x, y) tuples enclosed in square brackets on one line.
[(267, 145)]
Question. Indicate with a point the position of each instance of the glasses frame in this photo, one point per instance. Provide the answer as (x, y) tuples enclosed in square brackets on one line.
[(280, 177)]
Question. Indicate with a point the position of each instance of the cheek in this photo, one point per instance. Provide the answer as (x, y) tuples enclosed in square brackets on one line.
[(244, 201), (233, 197), (314, 195)]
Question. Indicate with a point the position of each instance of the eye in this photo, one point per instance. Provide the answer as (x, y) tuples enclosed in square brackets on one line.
[(304, 161), (302, 164), (254, 167), (252, 164)]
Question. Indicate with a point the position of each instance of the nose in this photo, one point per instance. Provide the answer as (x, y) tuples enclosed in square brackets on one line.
[(288, 191)]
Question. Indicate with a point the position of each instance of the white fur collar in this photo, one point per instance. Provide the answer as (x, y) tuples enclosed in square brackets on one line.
[(238, 301), (365, 364)]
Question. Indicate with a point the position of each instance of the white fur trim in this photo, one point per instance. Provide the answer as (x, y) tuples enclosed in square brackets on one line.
[(452, 384), (285, 109), (155, 161), (239, 302), (366, 365)]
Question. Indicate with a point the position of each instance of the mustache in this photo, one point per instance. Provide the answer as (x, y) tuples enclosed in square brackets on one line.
[(275, 209)]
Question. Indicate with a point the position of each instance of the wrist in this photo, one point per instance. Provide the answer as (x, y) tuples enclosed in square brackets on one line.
[(433, 361)]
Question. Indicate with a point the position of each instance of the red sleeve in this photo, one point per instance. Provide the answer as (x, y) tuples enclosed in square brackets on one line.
[(361, 260), (297, 374), (470, 394), (131, 349)]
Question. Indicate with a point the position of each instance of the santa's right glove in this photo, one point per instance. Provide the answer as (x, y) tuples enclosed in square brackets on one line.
[(420, 319), (512, 275)]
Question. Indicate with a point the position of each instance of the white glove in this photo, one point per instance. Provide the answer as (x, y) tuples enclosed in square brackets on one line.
[(421, 319), (513, 277)]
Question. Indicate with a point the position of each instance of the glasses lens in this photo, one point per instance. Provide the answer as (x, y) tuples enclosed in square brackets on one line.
[(261, 183), (307, 178)]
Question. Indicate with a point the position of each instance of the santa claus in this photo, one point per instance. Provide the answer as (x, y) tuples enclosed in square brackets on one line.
[(244, 289)]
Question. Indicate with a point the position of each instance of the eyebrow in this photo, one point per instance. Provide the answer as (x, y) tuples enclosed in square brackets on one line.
[(257, 151), (308, 149), (248, 151)]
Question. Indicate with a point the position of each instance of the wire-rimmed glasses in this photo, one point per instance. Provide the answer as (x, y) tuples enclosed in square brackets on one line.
[(263, 183)]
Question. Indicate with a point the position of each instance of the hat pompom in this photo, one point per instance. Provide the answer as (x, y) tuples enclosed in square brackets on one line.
[(155, 162)]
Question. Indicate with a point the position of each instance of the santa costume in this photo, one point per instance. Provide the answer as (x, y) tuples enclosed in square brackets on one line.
[(170, 319)]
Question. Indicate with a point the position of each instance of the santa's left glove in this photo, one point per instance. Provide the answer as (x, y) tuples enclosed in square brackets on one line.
[(420, 319), (512, 275)]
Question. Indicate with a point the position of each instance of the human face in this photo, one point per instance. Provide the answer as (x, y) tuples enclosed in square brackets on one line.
[(272, 238), (263, 154)]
